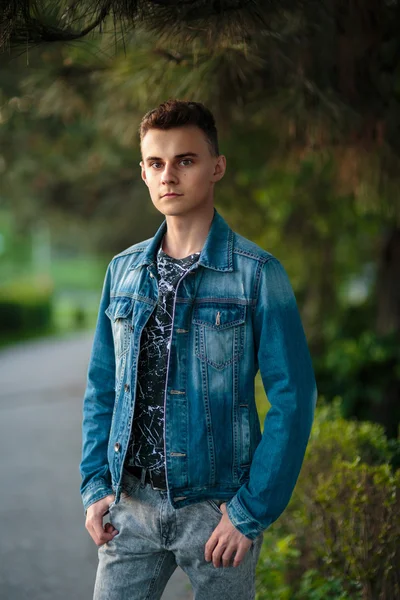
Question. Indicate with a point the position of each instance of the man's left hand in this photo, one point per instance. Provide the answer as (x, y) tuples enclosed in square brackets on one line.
[(225, 541)]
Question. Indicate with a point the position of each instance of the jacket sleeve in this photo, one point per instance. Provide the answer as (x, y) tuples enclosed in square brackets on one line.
[(98, 404), (288, 378)]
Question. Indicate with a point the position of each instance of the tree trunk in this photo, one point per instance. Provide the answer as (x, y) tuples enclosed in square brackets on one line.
[(388, 285), (387, 322)]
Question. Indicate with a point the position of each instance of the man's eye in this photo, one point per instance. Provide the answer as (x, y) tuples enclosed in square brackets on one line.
[(157, 165)]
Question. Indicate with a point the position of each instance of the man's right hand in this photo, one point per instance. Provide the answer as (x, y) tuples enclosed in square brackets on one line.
[(94, 521)]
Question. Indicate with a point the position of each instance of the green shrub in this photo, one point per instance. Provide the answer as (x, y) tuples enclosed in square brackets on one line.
[(317, 519), (333, 437), (359, 507), (316, 586), (276, 557), (25, 306)]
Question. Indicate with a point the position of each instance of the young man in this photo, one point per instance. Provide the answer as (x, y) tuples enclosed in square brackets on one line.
[(172, 446)]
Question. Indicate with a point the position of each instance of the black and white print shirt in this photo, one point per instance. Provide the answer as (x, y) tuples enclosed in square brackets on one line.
[(146, 444)]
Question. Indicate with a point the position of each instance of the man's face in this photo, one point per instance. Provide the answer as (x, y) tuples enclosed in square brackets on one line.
[(178, 161)]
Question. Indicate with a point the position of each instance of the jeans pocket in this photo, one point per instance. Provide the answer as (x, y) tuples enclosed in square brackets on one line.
[(215, 506)]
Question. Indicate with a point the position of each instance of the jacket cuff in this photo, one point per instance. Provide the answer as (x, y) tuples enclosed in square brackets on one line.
[(242, 520), (94, 492)]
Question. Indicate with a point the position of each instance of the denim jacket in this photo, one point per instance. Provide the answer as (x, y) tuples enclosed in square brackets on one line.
[(234, 313)]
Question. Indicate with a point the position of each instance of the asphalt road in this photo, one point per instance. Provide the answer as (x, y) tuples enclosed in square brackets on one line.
[(45, 551)]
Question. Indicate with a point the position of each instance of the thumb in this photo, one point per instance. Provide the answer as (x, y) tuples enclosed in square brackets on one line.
[(109, 528)]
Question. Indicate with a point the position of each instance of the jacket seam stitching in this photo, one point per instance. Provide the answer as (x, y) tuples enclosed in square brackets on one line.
[(249, 254), (127, 252), (257, 280)]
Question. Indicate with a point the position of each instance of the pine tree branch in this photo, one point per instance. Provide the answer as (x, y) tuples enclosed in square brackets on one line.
[(18, 27)]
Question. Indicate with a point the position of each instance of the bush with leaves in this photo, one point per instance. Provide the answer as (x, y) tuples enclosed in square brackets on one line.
[(276, 557), (359, 507), (26, 306), (336, 540)]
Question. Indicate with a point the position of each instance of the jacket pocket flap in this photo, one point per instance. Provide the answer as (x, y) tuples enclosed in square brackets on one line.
[(119, 308), (217, 316)]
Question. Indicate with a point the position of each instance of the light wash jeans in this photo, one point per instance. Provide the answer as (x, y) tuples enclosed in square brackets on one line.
[(154, 538)]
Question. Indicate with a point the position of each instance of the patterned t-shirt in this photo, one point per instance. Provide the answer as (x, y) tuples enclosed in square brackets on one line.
[(146, 444)]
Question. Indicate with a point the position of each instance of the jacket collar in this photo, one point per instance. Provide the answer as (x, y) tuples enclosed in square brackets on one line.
[(217, 252)]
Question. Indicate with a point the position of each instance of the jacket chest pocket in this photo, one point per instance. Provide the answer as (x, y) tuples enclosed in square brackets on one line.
[(120, 313), (219, 333)]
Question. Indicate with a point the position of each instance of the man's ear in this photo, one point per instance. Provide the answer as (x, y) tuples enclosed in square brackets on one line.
[(143, 173), (220, 168)]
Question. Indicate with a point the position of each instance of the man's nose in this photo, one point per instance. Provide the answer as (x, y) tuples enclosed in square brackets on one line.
[(168, 175)]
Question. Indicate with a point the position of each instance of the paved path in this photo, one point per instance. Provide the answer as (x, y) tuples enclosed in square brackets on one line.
[(45, 551)]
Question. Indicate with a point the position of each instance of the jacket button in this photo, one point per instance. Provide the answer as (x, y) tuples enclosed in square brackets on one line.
[(126, 387), (151, 275), (117, 447)]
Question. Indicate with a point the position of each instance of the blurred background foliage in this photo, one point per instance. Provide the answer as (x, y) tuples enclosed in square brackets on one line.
[(307, 105)]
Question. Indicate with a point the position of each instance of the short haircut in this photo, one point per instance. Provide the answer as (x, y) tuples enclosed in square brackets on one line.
[(178, 113)]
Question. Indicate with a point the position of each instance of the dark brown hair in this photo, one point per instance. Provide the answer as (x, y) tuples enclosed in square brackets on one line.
[(178, 113)]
